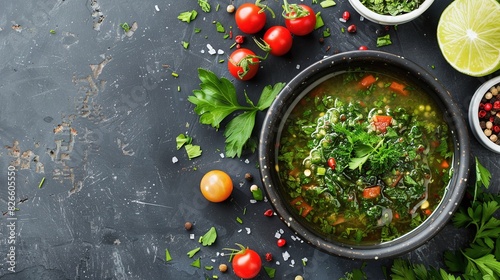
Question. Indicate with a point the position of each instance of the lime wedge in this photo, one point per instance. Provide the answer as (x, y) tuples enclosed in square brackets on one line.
[(468, 35)]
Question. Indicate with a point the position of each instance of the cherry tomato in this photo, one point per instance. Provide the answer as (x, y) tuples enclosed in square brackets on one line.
[(250, 18), (246, 263), (279, 40), (243, 64), (303, 25), (216, 186)]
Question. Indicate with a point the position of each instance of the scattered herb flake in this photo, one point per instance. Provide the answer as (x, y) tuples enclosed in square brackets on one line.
[(175, 75), (41, 183), (187, 16), (384, 40), (219, 27), (197, 30), (125, 27), (217, 7), (185, 44), (204, 5), (182, 139), (271, 272), (209, 238), (226, 36), (167, 256), (52, 31), (257, 194), (319, 21), (326, 33), (239, 220), (196, 263), (327, 3), (193, 252), (193, 151), (209, 267)]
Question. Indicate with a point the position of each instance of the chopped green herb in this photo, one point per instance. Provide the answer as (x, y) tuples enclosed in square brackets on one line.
[(244, 211), (219, 27), (209, 237), (327, 3), (384, 40), (221, 60), (304, 261), (319, 21), (125, 27), (342, 30), (185, 44), (197, 30), (41, 183), (193, 151), (217, 7), (271, 272), (226, 36), (209, 267), (182, 139), (204, 5), (257, 194), (167, 256), (326, 33), (178, 88), (52, 31), (193, 252), (175, 74), (239, 220), (196, 263), (216, 99), (187, 16)]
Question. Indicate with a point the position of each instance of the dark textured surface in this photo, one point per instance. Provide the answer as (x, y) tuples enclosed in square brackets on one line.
[(96, 113)]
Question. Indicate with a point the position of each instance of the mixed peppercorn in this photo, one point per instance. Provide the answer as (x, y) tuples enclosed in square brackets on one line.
[(489, 114)]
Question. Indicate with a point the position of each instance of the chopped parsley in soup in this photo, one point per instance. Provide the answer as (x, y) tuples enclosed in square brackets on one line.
[(365, 157)]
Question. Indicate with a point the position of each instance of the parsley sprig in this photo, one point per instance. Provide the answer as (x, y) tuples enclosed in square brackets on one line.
[(216, 99)]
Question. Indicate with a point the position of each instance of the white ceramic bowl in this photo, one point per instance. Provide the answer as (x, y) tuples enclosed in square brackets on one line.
[(474, 115), (388, 19)]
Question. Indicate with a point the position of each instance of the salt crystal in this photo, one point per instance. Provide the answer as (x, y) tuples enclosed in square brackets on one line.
[(220, 51), (277, 235), (210, 47), (221, 155), (240, 230), (156, 8), (175, 159), (285, 255), (191, 236), (277, 263), (342, 20), (253, 201), (361, 18), (202, 51), (212, 51), (213, 260), (298, 66), (248, 230), (247, 161), (281, 231)]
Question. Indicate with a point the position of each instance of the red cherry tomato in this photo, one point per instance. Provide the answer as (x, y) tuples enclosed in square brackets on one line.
[(303, 25), (250, 18), (279, 40), (246, 263), (243, 64), (216, 186)]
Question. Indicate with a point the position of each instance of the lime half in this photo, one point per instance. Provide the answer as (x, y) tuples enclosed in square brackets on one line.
[(468, 35)]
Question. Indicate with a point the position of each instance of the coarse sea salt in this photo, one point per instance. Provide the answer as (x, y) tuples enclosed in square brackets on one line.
[(156, 8), (175, 159), (285, 255)]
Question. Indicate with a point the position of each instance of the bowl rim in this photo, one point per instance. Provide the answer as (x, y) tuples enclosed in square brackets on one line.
[(474, 117), (415, 238), (388, 19)]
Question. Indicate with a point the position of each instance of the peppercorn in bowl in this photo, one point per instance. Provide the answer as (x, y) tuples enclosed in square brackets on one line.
[(392, 12), (484, 114), (363, 154)]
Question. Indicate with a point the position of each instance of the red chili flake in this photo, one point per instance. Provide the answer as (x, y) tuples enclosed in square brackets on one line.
[(268, 213), (239, 39), (496, 105), (269, 257), (488, 106), (281, 242), (481, 114), (332, 163), (346, 15), (492, 118), (363, 48), (496, 128), (351, 28)]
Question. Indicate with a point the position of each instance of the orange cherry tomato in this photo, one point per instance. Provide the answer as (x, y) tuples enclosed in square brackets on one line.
[(216, 186)]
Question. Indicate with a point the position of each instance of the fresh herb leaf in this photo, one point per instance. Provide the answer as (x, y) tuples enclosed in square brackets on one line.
[(239, 220), (483, 177), (319, 21), (197, 30), (193, 252), (167, 256), (216, 99), (219, 27), (204, 5), (257, 194), (188, 16), (52, 31), (209, 238), (182, 139), (185, 44), (193, 151), (41, 183), (326, 33)]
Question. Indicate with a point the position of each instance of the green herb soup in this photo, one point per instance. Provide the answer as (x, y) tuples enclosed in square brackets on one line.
[(365, 157), (392, 7)]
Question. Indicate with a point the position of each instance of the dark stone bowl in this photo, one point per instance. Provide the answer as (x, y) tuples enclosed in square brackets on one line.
[(299, 86)]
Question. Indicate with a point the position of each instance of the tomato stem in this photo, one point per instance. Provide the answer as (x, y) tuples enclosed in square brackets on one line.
[(264, 7), (293, 11)]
